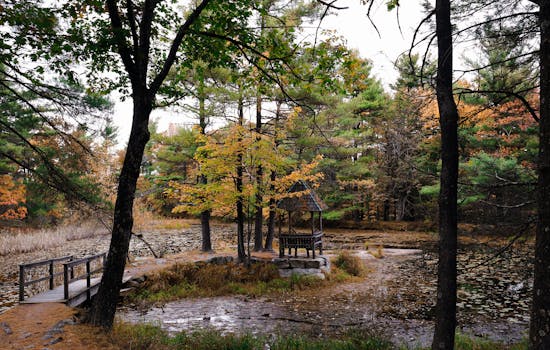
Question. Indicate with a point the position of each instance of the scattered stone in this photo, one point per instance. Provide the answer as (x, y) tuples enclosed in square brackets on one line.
[(6, 328), (25, 335), (57, 328), (54, 341)]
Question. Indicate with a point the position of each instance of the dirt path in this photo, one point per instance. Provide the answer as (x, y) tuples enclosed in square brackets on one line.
[(47, 326)]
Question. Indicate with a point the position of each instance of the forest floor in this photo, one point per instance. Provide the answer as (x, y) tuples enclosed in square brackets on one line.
[(395, 298)]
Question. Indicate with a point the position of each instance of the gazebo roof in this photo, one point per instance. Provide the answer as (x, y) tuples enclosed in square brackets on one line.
[(307, 200)]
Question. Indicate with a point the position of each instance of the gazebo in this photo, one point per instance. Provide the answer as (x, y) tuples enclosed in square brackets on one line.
[(301, 198)]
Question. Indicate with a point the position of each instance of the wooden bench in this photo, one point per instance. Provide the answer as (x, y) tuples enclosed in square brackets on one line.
[(305, 241)]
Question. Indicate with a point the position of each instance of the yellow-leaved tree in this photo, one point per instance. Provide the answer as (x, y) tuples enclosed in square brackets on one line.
[(219, 159)]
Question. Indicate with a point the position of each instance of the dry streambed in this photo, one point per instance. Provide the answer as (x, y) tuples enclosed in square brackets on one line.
[(396, 297)]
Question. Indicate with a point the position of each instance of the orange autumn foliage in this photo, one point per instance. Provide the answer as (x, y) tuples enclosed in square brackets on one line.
[(12, 196)]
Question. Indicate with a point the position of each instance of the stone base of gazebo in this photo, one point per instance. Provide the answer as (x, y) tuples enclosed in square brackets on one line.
[(302, 266)]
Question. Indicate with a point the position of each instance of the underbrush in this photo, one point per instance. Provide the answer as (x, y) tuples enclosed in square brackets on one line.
[(26, 242), (464, 342), (207, 280), (150, 336), (146, 336), (350, 264)]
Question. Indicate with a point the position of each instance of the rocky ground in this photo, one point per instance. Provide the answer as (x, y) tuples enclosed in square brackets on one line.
[(396, 296), (163, 243)]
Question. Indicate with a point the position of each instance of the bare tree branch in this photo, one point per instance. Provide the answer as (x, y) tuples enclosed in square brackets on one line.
[(171, 58)]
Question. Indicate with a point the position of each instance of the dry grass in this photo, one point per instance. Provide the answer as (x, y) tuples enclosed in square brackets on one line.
[(146, 221), (215, 279), (377, 252), (207, 280), (26, 242), (350, 263)]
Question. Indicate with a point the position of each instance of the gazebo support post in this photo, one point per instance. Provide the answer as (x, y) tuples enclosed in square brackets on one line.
[(281, 249), (289, 229), (321, 230)]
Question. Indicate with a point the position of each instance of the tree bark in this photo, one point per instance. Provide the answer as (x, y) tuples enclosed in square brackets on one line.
[(104, 307), (239, 186), (205, 231), (259, 218), (271, 219), (205, 215), (539, 332), (273, 176), (445, 313)]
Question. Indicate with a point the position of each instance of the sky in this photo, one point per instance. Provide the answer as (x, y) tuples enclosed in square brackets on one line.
[(354, 26)]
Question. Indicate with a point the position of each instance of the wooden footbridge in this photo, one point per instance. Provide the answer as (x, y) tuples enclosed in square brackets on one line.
[(70, 281)]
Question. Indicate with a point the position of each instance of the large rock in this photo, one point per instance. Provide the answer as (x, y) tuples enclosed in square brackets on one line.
[(220, 260), (281, 263), (302, 263), (317, 273)]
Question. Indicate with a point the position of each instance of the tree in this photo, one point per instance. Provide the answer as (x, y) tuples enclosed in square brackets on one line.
[(539, 332), (135, 55), (12, 199), (445, 313)]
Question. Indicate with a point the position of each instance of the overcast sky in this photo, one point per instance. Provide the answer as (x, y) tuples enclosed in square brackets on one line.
[(352, 24)]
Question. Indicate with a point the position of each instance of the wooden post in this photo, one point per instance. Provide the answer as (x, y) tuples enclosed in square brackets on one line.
[(65, 281), (289, 222), (88, 291), (312, 223), (321, 230), (21, 282), (289, 230), (281, 248), (281, 218), (51, 275)]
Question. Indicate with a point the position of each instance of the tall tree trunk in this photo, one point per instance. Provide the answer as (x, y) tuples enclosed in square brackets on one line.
[(386, 209), (205, 215), (271, 219), (205, 229), (104, 307), (259, 218), (539, 333), (239, 186), (273, 176), (135, 58), (445, 313)]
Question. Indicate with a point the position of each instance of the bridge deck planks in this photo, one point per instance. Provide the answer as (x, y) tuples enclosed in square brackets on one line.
[(77, 293)]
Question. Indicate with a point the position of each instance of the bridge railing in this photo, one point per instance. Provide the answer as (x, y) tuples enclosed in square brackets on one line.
[(24, 268), (68, 273)]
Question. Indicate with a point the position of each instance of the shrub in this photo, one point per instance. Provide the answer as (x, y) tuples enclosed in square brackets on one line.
[(350, 264)]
